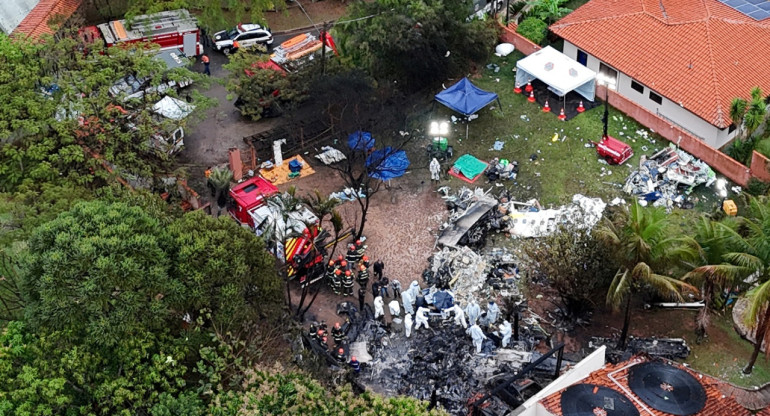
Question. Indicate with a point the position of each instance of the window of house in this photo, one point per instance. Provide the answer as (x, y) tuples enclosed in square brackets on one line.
[(637, 87), (609, 75), (655, 97), (731, 128)]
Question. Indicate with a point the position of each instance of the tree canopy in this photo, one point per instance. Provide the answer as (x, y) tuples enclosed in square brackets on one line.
[(415, 43)]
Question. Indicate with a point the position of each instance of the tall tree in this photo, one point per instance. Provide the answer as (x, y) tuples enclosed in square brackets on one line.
[(738, 107), (640, 239), (416, 43), (710, 271), (755, 114)]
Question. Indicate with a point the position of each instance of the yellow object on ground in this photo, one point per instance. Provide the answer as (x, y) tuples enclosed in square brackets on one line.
[(280, 174), (729, 207), (555, 137)]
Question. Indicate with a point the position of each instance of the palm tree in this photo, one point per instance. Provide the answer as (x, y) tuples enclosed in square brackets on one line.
[(738, 108), (755, 114), (639, 236), (751, 256), (220, 179), (710, 271)]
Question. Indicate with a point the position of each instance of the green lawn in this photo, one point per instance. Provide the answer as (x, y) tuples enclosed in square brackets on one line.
[(564, 167), (725, 355)]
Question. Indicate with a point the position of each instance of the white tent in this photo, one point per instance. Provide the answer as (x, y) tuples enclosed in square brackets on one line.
[(561, 73)]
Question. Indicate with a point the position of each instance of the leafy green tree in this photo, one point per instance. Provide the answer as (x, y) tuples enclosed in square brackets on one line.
[(223, 269), (416, 43), (533, 29), (574, 263), (265, 91), (100, 272), (640, 239), (755, 114), (549, 10), (60, 124)]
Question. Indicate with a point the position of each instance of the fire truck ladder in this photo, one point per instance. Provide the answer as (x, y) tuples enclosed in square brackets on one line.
[(161, 23)]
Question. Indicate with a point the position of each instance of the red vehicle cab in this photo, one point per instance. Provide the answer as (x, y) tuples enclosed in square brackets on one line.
[(613, 150), (302, 252), (175, 29)]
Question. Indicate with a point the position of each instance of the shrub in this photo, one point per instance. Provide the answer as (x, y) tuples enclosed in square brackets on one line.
[(740, 150), (756, 187), (533, 29)]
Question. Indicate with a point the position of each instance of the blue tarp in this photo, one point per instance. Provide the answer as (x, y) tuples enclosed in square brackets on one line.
[(386, 164), (361, 141), (443, 300), (465, 98)]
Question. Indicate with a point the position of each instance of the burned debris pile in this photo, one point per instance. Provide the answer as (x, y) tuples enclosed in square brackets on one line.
[(668, 348)]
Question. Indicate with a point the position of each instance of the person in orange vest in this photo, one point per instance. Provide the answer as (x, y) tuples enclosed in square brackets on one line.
[(236, 46), (206, 63)]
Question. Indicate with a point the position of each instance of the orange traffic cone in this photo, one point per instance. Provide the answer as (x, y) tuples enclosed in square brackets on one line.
[(517, 90), (580, 108), (531, 97), (546, 108), (529, 87), (562, 116)]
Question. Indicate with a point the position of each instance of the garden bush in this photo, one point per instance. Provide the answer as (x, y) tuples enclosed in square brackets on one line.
[(533, 29)]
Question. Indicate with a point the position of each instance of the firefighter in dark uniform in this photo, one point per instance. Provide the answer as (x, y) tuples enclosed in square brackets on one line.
[(338, 334), (337, 281), (330, 273), (340, 355), (365, 261), (352, 255), (363, 276), (347, 283), (313, 331), (360, 249)]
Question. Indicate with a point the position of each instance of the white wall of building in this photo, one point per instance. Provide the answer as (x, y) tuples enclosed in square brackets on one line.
[(581, 370), (12, 12), (679, 115)]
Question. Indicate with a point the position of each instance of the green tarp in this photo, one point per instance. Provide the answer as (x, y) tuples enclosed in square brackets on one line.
[(469, 166)]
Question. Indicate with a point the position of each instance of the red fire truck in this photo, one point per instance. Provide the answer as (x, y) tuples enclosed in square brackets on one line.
[(302, 246), (175, 29)]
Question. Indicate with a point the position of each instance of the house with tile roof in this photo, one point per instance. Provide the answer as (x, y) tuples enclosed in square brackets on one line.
[(684, 60), (36, 23), (649, 386)]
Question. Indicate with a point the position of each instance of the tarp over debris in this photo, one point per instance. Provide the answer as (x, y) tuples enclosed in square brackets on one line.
[(361, 141), (386, 164), (562, 73), (465, 98), (469, 166)]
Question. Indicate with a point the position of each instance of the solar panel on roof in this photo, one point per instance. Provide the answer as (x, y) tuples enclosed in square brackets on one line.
[(755, 9)]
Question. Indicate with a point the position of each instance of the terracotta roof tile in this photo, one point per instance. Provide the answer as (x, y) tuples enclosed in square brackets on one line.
[(699, 53), (717, 404), (36, 22)]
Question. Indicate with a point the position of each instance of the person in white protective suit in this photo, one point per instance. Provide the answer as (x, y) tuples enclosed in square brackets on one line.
[(493, 312), (395, 309), (478, 337), (473, 311), (435, 170), (408, 301), (408, 325), (379, 305), (421, 318), (505, 332), (459, 315)]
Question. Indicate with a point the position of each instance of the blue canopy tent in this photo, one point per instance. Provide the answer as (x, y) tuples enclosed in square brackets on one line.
[(466, 98), (361, 141), (386, 164)]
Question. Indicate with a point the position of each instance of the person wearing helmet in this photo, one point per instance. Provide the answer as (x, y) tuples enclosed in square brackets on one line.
[(363, 276), (336, 281), (340, 355), (347, 283), (365, 261), (338, 334), (352, 255), (360, 249)]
